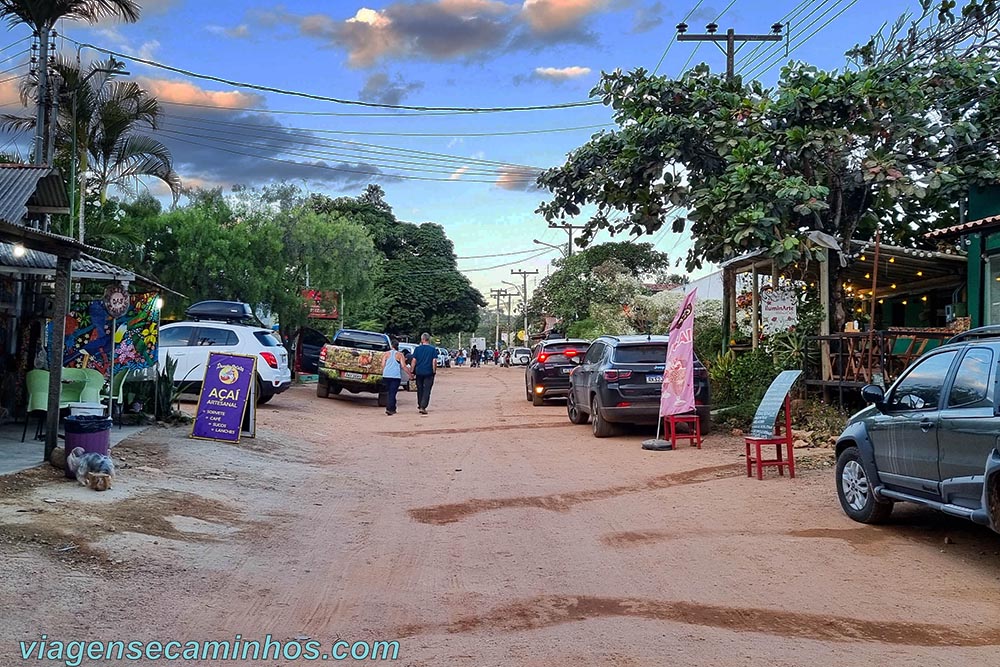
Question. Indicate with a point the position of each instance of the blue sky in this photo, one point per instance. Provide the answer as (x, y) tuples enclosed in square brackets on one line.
[(455, 53)]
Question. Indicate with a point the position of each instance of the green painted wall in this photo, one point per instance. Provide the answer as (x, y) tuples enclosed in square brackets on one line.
[(983, 202)]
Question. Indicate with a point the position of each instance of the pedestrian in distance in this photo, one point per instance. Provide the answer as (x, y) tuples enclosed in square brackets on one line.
[(474, 357), (424, 366), (392, 372), (496, 357)]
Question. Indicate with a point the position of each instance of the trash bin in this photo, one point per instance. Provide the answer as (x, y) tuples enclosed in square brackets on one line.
[(91, 432)]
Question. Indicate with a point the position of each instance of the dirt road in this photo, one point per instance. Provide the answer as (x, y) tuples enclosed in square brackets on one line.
[(487, 533)]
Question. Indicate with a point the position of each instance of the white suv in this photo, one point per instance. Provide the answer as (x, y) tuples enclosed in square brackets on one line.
[(189, 343)]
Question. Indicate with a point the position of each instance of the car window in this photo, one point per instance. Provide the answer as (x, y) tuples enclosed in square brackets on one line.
[(972, 379), (641, 354), (362, 341), (312, 337), (594, 354), (267, 339), (920, 389), (210, 336), (560, 353), (175, 336)]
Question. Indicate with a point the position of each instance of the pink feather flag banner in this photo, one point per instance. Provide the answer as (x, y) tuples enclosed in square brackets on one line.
[(677, 395)]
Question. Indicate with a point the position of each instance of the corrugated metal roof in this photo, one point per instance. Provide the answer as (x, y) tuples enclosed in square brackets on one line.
[(21, 184), (965, 228), (86, 266), (33, 259)]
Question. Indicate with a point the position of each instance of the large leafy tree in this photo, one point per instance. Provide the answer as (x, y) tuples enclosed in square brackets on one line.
[(417, 286), (590, 277), (894, 143)]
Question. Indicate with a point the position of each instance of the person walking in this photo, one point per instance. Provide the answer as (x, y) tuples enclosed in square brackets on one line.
[(475, 357), (424, 364), (392, 373)]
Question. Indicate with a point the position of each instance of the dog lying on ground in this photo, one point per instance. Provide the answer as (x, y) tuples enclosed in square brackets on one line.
[(96, 470)]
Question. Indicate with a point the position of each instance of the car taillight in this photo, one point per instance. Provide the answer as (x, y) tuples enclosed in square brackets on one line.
[(542, 357), (615, 376), (269, 357), (570, 353), (322, 354)]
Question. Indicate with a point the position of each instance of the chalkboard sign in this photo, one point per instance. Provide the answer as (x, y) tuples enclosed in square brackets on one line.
[(771, 404)]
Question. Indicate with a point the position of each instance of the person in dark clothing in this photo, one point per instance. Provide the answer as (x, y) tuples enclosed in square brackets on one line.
[(392, 372), (424, 366), (475, 356)]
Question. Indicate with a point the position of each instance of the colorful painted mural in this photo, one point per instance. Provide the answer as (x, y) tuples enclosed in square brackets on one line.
[(88, 335)]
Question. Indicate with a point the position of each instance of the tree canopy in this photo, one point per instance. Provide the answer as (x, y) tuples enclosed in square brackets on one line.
[(895, 143), (591, 276)]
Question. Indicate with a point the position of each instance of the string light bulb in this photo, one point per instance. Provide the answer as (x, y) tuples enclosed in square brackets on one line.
[(892, 260), (920, 273), (19, 250)]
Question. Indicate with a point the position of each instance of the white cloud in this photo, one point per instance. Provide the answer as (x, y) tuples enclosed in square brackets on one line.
[(241, 31), (512, 177), (554, 15), (184, 92), (457, 174), (561, 73)]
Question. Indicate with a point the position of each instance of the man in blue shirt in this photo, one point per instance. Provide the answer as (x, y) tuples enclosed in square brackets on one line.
[(424, 366)]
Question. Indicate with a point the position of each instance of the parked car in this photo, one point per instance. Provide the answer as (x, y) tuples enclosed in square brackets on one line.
[(223, 326), (308, 344), (619, 382), (444, 358), (520, 356), (547, 374), (930, 439), (353, 361)]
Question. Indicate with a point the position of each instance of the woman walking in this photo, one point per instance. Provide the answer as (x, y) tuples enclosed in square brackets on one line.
[(392, 372)]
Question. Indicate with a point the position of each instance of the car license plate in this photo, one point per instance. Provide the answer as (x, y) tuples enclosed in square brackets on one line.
[(566, 370), (654, 379), (354, 376)]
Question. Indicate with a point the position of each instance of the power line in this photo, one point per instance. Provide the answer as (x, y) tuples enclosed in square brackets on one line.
[(336, 100), (343, 170), (764, 68), (812, 18), (785, 20), (673, 37), (509, 133), (305, 133), (501, 254)]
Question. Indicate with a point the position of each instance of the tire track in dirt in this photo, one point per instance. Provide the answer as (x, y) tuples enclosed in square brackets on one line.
[(562, 502), (548, 611), (473, 429)]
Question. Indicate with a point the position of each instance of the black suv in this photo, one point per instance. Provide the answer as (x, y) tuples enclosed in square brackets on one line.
[(547, 374), (619, 382), (931, 438)]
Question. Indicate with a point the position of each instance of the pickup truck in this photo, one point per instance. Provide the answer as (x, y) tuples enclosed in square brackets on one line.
[(353, 361)]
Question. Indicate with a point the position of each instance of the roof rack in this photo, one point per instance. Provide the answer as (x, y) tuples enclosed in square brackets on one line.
[(991, 331), (232, 312)]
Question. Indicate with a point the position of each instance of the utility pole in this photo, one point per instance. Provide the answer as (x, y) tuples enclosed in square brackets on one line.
[(730, 39), (498, 293), (510, 294), (41, 111), (568, 228), (524, 296)]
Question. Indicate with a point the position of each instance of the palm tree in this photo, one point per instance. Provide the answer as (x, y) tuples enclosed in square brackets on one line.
[(41, 16)]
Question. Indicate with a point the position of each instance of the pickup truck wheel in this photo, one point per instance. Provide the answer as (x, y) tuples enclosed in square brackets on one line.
[(601, 428), (335, 389), (383, 399), (527, 392), (573, 411), (537, 400), (854, 488), (322, 387)]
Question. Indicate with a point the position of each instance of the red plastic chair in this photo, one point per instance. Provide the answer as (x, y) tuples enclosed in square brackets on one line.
[(693, 435), (767, 430)]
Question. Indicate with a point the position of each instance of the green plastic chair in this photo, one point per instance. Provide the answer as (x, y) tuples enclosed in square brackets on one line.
[(73, 386), (37, 382), (116, 398), (94, 386)]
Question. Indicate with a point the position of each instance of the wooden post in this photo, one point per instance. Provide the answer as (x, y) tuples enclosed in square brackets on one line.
[(61, 306), (824, 325), (728, 289), (755, 316)]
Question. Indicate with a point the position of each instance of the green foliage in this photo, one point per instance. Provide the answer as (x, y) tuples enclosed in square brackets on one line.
[(417, 286), (740, 379), (791, 350), (744, 168), (606, 273)]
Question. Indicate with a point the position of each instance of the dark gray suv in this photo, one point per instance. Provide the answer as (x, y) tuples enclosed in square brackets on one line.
[(930, 439)]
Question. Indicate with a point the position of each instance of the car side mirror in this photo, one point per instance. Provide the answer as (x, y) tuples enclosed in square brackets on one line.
[(873, 395)]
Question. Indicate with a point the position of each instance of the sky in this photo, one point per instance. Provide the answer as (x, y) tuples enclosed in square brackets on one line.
[(472, 173)]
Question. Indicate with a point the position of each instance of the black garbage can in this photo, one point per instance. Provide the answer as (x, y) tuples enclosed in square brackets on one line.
[(91, 432)]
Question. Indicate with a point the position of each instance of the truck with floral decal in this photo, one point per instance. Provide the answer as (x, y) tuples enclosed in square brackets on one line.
[(353, 361)]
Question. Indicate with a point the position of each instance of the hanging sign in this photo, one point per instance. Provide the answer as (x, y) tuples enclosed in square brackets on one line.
[(225, 395), (778, 310)]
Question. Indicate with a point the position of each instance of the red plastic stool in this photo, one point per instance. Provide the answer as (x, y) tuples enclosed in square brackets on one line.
[(694, 436)]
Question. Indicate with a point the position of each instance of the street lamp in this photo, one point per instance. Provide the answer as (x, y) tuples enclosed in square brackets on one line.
[(114, 67), (561, 249)]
